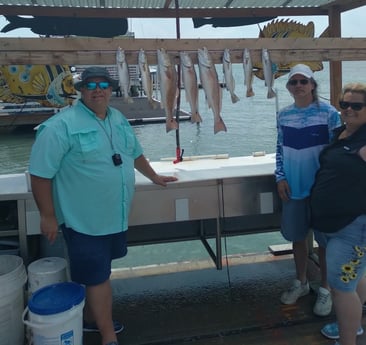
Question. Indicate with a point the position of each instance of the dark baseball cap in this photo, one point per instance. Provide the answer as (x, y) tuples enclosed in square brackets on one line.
[(95, 72)]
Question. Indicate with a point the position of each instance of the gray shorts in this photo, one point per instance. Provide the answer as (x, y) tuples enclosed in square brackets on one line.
[(295, 221)]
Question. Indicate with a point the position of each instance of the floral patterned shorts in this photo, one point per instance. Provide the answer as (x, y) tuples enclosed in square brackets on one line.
[(346, 255)]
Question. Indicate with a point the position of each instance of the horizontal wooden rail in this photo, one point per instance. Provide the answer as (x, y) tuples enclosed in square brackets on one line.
[(90, 51)]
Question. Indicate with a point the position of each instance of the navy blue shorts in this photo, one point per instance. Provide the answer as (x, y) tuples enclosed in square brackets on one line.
[(90, 257)]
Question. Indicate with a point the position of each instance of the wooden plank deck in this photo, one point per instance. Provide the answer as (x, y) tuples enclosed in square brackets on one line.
[(238, 305)]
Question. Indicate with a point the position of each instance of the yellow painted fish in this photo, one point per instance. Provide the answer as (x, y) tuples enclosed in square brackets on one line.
[(123, 75), (168, 78), (248, 72), (228, 75), (146, 81), (211, 86), (287, 29), (189, 77), (49, 85)]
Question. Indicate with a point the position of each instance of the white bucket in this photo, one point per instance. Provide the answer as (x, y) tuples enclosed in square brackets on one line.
[(56, 314), (46, 271), (12, 280)]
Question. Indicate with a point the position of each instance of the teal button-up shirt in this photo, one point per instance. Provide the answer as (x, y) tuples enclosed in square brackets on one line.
[(74, 148)]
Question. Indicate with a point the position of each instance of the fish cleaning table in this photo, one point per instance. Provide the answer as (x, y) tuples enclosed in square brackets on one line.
[(212, 198)]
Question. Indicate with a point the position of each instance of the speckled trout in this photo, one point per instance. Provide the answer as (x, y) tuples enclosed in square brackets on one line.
[(146, 81), (123, 75), (228, 75), (248, 72), (268, 73)]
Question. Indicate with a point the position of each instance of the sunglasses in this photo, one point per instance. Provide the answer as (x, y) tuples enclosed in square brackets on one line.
[(92, 85), (294, 82), (354, 106)]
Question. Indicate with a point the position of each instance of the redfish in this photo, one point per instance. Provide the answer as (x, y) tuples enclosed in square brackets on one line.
[(211, 86)]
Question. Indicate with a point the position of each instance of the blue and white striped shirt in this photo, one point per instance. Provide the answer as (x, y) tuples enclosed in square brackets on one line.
[(302, 134)]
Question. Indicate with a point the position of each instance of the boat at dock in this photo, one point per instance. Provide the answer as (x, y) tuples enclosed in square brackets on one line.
[(17, 116)]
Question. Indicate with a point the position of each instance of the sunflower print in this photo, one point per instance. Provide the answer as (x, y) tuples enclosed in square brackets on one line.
[(349, 270)]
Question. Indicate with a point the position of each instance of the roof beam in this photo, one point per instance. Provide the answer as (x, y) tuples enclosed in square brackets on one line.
[(158, 12)]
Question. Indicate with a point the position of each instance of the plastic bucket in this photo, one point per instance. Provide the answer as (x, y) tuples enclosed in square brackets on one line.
[(46, 271), (13, 277), (56, 314)]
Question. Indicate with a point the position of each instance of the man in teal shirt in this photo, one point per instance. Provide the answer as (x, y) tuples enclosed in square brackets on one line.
[(82, 173)]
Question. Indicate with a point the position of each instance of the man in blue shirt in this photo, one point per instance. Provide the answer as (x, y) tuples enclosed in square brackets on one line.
[(82, 173), (303, 128)]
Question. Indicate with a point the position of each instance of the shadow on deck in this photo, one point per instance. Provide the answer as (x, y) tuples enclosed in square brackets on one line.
[(200, 305)]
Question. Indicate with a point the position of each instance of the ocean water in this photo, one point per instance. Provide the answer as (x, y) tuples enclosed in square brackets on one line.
[(251, 126), (251, 123)]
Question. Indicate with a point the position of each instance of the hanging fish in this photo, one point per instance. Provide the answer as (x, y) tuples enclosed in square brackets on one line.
[(248, 72), (268, 73), (168, 78), (228, 75), (49, 85), (123, 75), (189, 77), (211, 86), (146, 81)]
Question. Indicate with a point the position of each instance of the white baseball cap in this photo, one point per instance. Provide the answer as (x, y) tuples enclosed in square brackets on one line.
[(301, 69)]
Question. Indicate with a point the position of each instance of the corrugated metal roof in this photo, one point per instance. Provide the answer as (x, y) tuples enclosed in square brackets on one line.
[(185, 4)]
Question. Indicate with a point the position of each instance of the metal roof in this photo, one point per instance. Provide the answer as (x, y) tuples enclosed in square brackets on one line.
[(167, 8)]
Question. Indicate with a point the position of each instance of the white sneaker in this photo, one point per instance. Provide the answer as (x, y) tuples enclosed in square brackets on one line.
[(294, 292), (323, 304)]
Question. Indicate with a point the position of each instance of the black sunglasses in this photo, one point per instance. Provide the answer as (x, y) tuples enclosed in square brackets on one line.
[(294, 82), (92, 85), (354, 105)]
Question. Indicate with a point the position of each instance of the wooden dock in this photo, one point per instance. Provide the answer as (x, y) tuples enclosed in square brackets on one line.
[(193, 303)]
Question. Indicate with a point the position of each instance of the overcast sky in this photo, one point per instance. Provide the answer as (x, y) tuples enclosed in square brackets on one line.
[(353, 25)]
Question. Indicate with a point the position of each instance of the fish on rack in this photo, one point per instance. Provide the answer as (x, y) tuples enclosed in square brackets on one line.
[(190, 83), (168, 79), (268, 73), (248, 72), (146, 81), (123, 75), (228, 75), (211, 86)]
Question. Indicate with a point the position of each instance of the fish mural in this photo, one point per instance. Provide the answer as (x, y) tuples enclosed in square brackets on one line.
[(211, 86), (190, 83), (49, 85), (228, 75), (123, 75), (286, 29), (146, 81), (168, 79), (68, 26), (248, 72)]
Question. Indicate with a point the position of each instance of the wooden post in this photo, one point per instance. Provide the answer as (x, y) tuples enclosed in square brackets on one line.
[(335, 67)]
